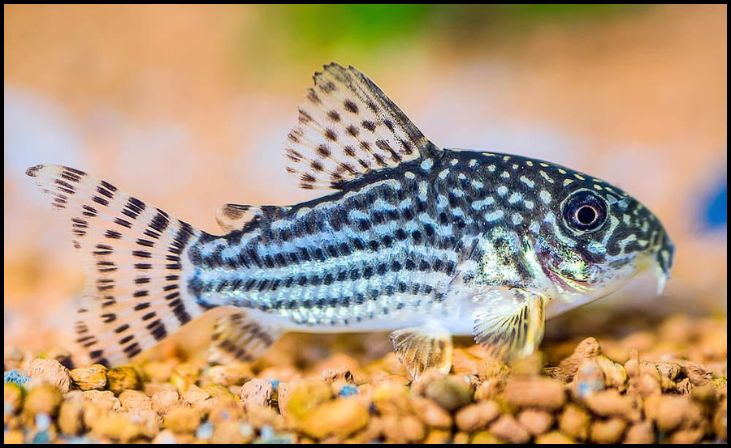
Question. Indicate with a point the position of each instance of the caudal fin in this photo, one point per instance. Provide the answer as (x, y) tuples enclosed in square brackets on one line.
[(137, 264)]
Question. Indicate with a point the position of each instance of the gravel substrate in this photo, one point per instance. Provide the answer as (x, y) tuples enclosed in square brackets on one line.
[(668, 386)]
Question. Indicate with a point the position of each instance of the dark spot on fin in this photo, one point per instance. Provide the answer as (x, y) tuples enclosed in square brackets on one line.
[(239, 337)]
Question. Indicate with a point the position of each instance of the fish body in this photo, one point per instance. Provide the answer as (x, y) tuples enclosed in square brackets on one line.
[(414, 238)]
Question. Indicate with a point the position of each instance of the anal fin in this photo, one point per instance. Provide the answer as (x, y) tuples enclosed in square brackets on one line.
[(237, 336), (511, 326), (423, 347)]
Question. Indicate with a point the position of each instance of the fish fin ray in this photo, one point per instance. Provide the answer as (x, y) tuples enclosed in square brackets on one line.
[(423, 347), (237, 336), (510, 326), (135, 293), (349, 128), (232, 217)]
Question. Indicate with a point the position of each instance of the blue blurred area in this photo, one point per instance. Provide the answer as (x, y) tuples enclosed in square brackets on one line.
[(716, 205)]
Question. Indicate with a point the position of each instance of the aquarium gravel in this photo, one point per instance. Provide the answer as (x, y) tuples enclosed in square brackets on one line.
[(666, 386)]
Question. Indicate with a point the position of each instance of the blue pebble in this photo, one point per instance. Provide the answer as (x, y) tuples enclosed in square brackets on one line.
[(348, 390), (43, 422), (42, 437), (82, 440), (15, 376), (205, 431)]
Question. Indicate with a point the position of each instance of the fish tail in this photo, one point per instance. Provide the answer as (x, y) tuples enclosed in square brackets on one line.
[(137, 264)]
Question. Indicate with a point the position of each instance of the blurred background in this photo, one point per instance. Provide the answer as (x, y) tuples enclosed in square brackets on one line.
[(187, 107)]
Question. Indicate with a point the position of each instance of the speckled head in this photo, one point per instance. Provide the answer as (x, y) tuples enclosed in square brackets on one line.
[(589, 236)]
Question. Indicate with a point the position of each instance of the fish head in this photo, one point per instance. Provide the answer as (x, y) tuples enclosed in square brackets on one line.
[(595, 237)]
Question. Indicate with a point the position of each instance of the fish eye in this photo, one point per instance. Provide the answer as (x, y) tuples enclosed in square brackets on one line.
[(585, 211)]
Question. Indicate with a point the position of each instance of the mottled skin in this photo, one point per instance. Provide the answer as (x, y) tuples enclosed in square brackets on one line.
[(416, 242), (417, 239)]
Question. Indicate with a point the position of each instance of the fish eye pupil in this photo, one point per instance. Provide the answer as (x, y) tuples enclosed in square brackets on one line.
[(585, 211), (586, 215)]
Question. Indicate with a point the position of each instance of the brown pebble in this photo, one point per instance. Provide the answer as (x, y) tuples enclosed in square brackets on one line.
[(554, 438), (340, 418), (640, 433), (88, 378), (544, 393), (183, 375), (608, 431), (489, 389), (256, 392), (437, 437), (70, 417), (450, 392), (465, 363), (117, 427), (614, 373), (696, 373), (13, 397), (122, 378), (226, 412), (166, 437), (687, 436), (431, 413), (195, 395), (103, 398), (461, 438), (391, 398), (507, 429), (303, 398), (669, 411), (567, 368), (159, 371), (530, 365), (484, 438), (535, 421), (338, 374), (406, 429), (720, 421), (51, 372), (229, 375), (280, 373), (164, 400), (42, 399), (609, 403), (182, 420), (148, 421), (575, 422), (264, 416), (135, 401), (371, 432), (13, 437), (477, 416), (232, 432), (98, 403)]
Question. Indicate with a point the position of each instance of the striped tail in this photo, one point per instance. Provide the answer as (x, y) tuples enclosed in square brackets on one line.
[(138, 267)]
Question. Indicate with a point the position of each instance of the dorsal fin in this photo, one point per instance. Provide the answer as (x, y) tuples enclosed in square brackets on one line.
[(348, 128), (232, 217)]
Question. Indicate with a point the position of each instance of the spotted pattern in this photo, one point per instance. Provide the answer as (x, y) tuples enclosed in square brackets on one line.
[(394, 242)]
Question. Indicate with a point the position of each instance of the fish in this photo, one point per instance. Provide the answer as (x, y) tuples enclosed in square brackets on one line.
[(408, 237)]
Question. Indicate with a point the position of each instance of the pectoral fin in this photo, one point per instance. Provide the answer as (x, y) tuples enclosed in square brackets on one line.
[(423, 347), (511, 326), (239, 337)]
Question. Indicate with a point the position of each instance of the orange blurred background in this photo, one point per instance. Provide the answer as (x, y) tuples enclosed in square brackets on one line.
[(187, 107)]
